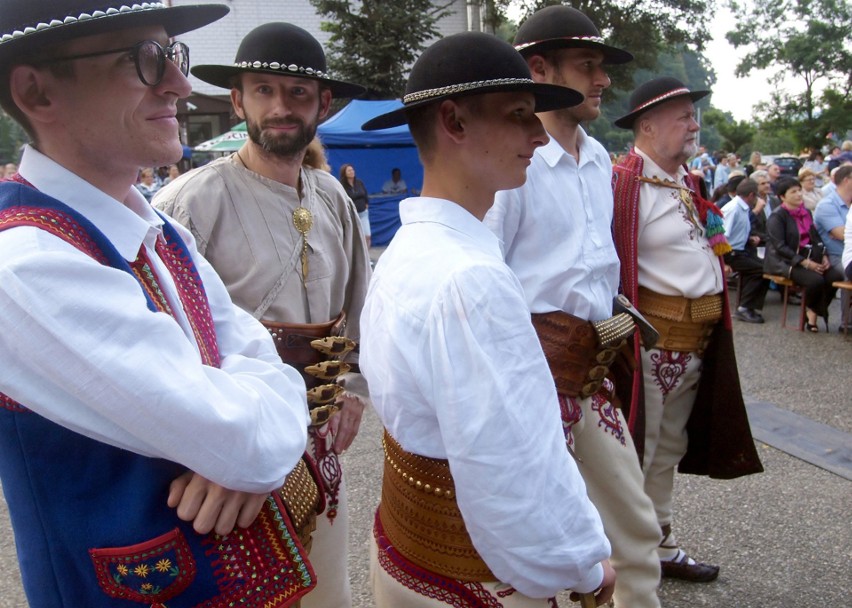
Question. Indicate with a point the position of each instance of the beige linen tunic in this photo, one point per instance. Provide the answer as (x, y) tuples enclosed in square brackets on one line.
[(243, 225)]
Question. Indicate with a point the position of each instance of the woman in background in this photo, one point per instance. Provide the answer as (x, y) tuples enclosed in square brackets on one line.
[(795, 250), (357, 191)]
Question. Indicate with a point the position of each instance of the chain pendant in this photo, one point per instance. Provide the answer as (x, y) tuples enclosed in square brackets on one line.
[(303, 221)]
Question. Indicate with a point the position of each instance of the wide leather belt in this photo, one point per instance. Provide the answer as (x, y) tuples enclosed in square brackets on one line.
[(685, 325), (579, 352), (315, 350), (421, 518)]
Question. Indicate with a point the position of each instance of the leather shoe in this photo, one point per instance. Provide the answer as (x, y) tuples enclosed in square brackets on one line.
[(749, 316), (693, 573)]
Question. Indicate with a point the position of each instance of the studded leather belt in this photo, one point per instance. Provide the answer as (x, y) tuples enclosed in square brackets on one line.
[(316, 351), (684, 324), (579, 352), (421, 517)]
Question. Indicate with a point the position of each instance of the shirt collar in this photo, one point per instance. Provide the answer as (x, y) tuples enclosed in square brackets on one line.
[(126, 225), (553, 152), (652, 169), (424, 209)]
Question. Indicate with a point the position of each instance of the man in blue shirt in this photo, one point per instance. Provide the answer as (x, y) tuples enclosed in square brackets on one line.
[(830, 220), (743, 258)]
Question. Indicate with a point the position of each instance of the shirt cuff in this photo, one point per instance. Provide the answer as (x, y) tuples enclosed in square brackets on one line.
[(592, 582)]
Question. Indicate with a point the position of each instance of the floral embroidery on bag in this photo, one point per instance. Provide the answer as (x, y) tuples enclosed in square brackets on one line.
[(150, 572)]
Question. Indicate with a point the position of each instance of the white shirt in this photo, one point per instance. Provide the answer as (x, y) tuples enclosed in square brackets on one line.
[(847, 242), (456, 371), (80, 347), (556, 231), (675, 257)]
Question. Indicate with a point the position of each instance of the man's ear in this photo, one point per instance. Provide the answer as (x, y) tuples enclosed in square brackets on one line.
[(325, 103), (538, 68), (237, 103), (31, 90), (451, 120)]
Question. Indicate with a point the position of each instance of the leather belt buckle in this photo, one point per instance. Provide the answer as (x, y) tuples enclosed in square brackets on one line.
[(333, 346), (323, 394), (328, 370)]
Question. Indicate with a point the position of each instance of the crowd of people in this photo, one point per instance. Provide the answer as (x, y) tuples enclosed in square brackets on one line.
[(546, 339), (784, 225)]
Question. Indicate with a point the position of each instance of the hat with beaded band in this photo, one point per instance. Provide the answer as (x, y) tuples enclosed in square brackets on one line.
[(651, 94), (471, 63), (560, 26), (26, 26), (279, 49)]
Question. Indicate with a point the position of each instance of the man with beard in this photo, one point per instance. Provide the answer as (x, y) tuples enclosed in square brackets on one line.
[(288, 244), (556, 237), (686, 406)]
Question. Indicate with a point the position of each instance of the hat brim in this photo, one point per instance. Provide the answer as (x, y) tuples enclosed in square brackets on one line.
[(176, 20), (627, 121), (547, 97), (223, 75), (612, 55)]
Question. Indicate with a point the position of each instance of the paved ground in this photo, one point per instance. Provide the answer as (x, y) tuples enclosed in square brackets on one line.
[(783, 538)]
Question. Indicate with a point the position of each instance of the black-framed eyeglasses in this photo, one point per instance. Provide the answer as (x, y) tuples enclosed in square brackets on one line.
[(149, 57)]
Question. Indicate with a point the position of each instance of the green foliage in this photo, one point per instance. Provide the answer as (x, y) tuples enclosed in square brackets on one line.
[(374, 42), (12, 137), (806, 39), (647, 29), (734, 136)]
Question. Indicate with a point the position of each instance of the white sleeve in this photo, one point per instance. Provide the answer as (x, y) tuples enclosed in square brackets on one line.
[(80, 347), (520, 493)]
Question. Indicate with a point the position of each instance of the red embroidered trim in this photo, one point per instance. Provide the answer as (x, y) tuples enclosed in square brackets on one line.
[(193, 298), (262, 566), (668, 368), (428, 584), (327, 464), (608, 413), (149, 572)]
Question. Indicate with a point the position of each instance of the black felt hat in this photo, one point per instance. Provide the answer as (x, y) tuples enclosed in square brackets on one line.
[(281, 49), (559, 26), (653, 93), (27, 25), (471, 63)]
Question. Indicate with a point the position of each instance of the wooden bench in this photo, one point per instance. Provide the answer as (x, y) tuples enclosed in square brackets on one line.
[(845, 285), (789, 287)]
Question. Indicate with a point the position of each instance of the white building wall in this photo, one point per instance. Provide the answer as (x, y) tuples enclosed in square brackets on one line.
[(217, 43)]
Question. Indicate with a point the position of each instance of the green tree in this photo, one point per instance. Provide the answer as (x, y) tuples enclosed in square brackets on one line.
[(734, 136), (12, 137), (374, 42), (808, 39), (646, 29)]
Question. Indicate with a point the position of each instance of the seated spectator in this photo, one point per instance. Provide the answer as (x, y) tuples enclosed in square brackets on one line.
[(729, 190), (147, 185), (9, 170), (395, 185), (845, 155), (794, 250), (816, 163), (847, 249), (754, 160), (174, 173), (743, 257), (810, 193), (830, 219)]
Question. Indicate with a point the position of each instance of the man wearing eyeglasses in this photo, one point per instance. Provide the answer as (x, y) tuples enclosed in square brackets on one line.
[(144, 419), (287, 241)]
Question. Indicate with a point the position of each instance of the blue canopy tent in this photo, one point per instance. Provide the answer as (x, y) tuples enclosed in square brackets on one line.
[(373, 154)]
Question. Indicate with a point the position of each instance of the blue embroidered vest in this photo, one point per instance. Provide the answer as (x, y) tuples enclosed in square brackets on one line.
[(91, 523)]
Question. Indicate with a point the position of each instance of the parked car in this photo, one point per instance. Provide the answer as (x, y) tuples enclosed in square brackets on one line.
[(790, 165)]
